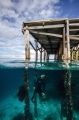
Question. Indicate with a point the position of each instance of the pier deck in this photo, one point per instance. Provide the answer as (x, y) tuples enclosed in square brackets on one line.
[(59, 37)]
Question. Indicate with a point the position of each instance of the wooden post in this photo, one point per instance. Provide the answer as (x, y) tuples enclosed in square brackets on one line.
[(60, 51), (77, 52), (41, 54), (68, 93), (27, 44), (36, 44), (27, 101), (55, 57), (58, 55), (64, 56), (72, 54), (47, 57), (68, 41), (44, 55)]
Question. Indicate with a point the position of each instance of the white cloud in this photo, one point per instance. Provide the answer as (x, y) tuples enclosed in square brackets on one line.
[(13, 14)]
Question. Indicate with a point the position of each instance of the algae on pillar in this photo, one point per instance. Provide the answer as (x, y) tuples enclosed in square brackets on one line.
[(69, 102), (27, 102)]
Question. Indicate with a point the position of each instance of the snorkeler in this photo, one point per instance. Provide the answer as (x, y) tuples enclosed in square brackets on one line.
[(39, 87)]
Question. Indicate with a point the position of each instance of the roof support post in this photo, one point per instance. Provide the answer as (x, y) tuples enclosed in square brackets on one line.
[(68, 41), (47, 57), (41, 54), (65, 47), (60, 51), (36, 45), (44, 55), (27, 44), (72, 54), (77, 52)]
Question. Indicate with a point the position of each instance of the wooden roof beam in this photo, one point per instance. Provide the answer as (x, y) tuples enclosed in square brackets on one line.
[(73, 38), (46, 27), (44, 33), (74, 24), (74, 30)]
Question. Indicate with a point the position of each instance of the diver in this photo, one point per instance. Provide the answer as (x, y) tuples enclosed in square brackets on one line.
[(22, 93), (39, 87)]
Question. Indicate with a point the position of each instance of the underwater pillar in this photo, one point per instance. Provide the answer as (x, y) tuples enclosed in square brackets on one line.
[(27, 102), (35, 104), (69, 102)]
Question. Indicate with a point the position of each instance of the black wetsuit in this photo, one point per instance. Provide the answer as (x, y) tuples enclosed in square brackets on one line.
[(39, 87)]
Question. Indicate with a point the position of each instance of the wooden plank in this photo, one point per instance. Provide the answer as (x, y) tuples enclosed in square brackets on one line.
[(74, 24), (45, 21), (44, 33), (73, 38), (74, 30), (46, 27), (74, 35)]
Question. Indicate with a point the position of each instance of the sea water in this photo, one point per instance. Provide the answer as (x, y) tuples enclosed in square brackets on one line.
[(12, 76)]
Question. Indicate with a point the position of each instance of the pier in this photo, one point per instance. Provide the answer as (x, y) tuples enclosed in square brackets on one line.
[(58, 37)]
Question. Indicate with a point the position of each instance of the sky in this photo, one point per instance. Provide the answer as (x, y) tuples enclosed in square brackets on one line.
[(14, 12)]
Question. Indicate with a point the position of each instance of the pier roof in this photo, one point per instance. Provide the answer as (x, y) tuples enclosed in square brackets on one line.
[(49, 33)]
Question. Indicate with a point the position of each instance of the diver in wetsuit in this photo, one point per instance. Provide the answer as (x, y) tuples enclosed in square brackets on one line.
[(39, 87)]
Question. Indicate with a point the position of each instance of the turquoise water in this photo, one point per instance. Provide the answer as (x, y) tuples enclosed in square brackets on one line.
[(52, 106)]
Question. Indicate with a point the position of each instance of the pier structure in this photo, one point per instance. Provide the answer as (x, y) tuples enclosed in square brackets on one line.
[(58, 37)]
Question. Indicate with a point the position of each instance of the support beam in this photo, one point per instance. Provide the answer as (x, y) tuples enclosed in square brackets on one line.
[(77, 52), (74, 38), (63, 40), (41, 54), (72, 54), (74, 30), (68, 40), (44, 33), (44, 55), (32, 46), (46, 27), (36, 45), (27, 44), (74, 24)]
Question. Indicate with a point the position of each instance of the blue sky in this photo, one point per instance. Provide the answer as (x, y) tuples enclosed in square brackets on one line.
[(14, 12)]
